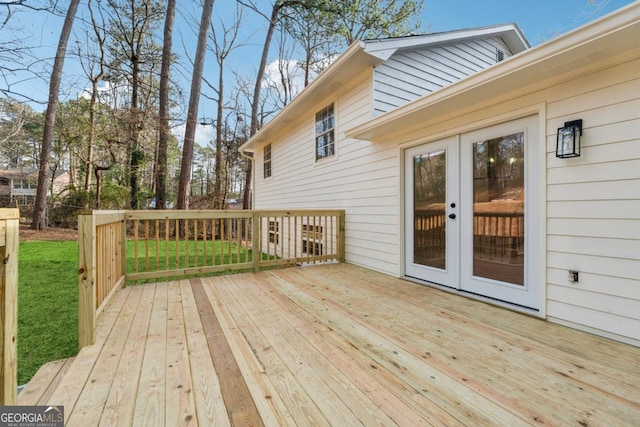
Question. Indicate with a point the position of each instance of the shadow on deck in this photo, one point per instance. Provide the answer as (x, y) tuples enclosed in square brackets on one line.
[(334, 345)]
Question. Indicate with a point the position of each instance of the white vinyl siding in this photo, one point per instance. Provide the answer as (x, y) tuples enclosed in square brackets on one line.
[(592, 201), (364, 180), (408, 75), (593, 205)]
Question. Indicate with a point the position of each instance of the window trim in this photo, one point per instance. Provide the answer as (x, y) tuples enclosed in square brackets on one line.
[(312, 239), (329, 131), (267, 163), (274, 231)]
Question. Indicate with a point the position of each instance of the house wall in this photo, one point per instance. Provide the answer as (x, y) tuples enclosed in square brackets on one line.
[(592, 202), (408, 75), (362, 178)]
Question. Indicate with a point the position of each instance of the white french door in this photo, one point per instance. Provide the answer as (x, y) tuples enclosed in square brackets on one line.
[(470, 211), (431, 196)]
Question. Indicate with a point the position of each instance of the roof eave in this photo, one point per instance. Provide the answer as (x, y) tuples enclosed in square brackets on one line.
[(511, 33), (608, 37), (347, 66)]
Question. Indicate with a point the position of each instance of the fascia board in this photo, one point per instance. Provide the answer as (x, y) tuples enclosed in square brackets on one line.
[(346, 67)]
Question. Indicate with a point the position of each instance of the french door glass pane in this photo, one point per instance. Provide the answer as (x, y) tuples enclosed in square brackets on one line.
[(429, 202), (498, 208)]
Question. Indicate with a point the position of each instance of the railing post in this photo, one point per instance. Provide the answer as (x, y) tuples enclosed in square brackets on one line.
[(8, 306), (123, 246), (86, 278), (256, 238), (341, 237)]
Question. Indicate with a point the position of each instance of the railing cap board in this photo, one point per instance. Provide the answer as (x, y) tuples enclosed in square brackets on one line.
[(9, 213), (214, 214), (195, 214), (103, 217)]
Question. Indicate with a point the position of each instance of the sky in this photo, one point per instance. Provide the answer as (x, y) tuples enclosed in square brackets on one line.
[(540, 21)]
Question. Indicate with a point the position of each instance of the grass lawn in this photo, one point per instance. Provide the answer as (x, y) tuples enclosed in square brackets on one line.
[(47, 304), (190, 253), (48, 294)]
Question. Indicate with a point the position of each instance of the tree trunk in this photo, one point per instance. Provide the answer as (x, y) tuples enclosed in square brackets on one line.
[(255, 121), (218, 201), (95, 79), (50, 118), (192, 113), (163, 143), (135, 155)]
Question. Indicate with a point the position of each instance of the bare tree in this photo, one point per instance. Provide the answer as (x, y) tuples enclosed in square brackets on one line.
[(50, 117), (222, 47), (95, 71), (132, 26), (192, 112), (165, 74), (20, 127), (278, 7)]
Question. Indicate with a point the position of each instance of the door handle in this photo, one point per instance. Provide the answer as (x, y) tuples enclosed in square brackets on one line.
[(452, 216)]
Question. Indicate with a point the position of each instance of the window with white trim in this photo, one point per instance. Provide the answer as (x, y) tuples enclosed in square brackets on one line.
[(274, 230), (312, 237), (267, 160), (325, 133)]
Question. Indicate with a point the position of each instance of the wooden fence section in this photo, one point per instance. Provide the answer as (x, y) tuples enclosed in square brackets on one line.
[(101, 245), (9, 235), (120, 246), (183, 243)]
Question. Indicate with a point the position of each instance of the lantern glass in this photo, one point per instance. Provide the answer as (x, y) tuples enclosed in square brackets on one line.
[(568, 143)]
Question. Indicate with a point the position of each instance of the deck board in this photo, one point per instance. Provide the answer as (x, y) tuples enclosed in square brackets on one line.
[(44, 382), (209, 403), (337, 345), (239, 404), (179, 401)]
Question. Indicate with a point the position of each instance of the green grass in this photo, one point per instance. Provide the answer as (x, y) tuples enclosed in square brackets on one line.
[(47, 304), (48, 294), (196, 255)]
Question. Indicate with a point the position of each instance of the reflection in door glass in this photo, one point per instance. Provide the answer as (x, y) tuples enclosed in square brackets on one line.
[(498, 209), (429, 198)]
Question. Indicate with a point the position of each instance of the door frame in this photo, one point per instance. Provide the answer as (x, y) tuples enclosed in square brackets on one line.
[(538, 152), (450, 275)]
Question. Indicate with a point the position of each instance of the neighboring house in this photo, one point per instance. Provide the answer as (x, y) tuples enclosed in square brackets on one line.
[(23, 183), (460, 187)]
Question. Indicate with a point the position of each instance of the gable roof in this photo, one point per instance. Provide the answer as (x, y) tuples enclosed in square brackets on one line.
[(560, 59), (362, 55), (385, 48)]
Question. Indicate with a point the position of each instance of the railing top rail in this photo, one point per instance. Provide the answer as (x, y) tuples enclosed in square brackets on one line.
[(100, 212), (500, 214), (299, 212), (208, 214), (192, 214), (104, 217), (9, 213)]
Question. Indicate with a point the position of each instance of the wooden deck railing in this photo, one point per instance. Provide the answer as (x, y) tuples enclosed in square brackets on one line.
[(101, 244), (9, 232), (497, 236), (122, 246)]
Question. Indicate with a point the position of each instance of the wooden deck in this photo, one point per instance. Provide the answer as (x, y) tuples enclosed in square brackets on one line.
[(334, 345)]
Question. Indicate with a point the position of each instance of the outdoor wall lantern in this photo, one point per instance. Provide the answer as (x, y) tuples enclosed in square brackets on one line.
[(568, 143)]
